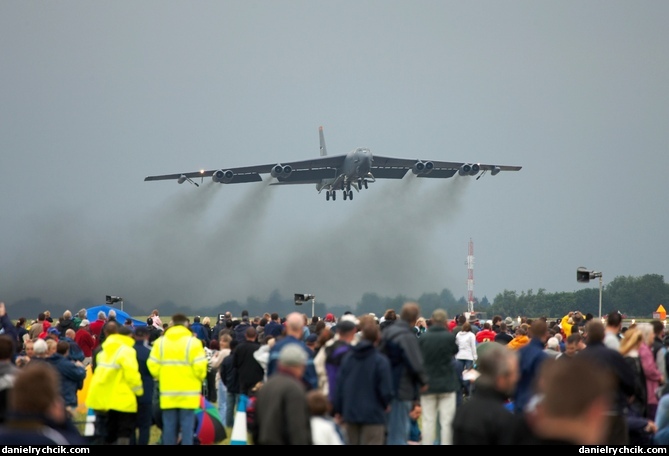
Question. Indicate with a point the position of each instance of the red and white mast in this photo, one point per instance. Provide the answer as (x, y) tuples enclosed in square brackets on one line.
[(470, 278)]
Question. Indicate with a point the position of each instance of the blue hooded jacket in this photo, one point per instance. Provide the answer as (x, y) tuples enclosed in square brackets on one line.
[(364, 385)]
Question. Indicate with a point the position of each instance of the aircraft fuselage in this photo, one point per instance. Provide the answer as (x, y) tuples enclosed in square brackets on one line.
[(357, 164)]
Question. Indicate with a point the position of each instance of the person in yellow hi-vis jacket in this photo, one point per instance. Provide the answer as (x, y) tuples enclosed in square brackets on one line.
[(179, 365), (115, 385)]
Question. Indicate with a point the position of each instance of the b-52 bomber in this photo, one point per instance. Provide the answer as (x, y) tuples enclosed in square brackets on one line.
[(332, 173)]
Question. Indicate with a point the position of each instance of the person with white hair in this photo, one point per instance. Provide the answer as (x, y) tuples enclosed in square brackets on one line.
[(273, 425), (40, 348), (65, 323), (654, 378), (79, 317), (111, 317), (96, 327), (294, 328), (552, 347)]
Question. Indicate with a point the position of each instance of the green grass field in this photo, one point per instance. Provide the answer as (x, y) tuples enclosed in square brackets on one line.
[(80, 419)]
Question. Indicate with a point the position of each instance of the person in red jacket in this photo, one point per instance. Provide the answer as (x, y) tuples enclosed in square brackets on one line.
[(486, 334), (85, 341), (96, 327)]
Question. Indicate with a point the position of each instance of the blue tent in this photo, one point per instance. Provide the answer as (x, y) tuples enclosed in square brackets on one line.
[(121, 316)]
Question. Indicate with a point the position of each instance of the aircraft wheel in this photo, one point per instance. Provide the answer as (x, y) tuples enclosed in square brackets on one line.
[(359, 183), (334, 195), (345, 195), (365, 184), (350, 194), (327, 196)]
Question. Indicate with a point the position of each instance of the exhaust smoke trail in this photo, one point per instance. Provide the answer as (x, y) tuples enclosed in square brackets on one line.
[(380, 243), (382, 246)]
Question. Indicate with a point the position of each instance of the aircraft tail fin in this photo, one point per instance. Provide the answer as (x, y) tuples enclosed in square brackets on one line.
[(324, 151)]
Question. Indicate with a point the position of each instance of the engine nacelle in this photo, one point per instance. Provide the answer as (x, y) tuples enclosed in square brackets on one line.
[(495, 170), (281, 171), (421, 167), (223, 177), (475, 169), (181, 179), (465, 169)]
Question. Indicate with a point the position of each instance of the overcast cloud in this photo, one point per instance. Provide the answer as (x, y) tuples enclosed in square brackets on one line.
[(96, 96)]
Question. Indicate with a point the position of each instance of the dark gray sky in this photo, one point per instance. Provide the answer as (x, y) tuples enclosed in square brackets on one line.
[(96, 96)]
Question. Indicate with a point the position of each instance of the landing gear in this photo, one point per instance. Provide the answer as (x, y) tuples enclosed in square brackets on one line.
[(345, 195), (360, 183), (365, 184), (327, 195), (350, 194), (334, 195)]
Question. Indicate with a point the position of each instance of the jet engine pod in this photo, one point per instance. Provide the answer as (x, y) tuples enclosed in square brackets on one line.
[(475, 170), (429, 166), (495, 170), (281, 171), (181, 179), (418, 167), (421, 167), (465, 169), (223, 177)]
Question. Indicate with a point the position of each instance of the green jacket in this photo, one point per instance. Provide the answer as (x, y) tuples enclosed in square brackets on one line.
[(439, 349)]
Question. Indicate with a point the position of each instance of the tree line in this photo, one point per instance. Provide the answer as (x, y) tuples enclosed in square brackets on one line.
[(633, 296)]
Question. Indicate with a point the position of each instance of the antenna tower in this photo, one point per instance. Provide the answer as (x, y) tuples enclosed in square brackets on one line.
[(470, 277)]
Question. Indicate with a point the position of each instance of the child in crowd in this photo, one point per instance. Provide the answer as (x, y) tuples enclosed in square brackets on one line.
[(324, 430)]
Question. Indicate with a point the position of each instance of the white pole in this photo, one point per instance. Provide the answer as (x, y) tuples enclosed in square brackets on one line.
[(600, 296), (312, 307)]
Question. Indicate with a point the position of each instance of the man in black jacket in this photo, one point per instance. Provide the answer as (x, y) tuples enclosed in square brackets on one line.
[(230, 379), (613, 361), (484, 419), (249, 371)]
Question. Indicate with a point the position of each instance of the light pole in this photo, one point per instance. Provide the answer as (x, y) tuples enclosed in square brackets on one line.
[(301, 298), (584, 275), (110, 300)]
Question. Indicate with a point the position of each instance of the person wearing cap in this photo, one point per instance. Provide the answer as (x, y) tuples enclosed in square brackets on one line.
[(330, 320), (329, 359), (311, 342), (85, 341), (475, 324), (503, 337), (364, 390), (144, 418), (275, 423)]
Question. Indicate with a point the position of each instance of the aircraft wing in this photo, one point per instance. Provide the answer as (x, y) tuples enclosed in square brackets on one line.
[(301, 172), (396, 168)]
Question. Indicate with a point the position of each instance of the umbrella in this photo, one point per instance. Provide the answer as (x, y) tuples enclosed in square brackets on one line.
[(209, 427)]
